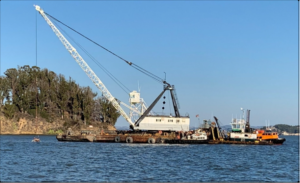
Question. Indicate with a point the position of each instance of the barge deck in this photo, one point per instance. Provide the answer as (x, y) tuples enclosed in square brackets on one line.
[(154, 139)]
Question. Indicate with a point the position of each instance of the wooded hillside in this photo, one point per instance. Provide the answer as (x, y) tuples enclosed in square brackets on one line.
[(25, 89), (287, 128)]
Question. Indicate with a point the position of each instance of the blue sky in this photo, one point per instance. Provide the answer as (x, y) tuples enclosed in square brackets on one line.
[(220, 55)]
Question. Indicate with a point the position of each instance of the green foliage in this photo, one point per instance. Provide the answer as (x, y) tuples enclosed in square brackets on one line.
[(9, 110), (287, 128), (108, 112), (4, 87), (31, 112), (46, 116), (53, 95), (53, 132)]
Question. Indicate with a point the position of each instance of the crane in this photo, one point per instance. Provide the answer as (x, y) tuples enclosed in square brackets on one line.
[(145, 121), (217, 121)]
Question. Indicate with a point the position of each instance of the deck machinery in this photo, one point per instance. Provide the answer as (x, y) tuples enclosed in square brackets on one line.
[(144, 120)]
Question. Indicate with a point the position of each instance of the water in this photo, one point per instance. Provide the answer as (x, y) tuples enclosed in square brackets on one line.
[(50, 160)]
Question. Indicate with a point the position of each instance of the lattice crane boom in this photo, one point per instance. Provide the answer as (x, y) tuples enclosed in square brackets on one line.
[(85, 67)]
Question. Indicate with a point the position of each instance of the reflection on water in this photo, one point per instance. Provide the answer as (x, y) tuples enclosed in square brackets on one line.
[(50, 160)]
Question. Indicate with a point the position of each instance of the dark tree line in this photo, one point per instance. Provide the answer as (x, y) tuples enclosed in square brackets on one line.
[(26, 89), (287, 128)]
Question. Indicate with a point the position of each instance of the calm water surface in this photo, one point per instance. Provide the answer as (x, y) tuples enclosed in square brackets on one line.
[(50, 160)]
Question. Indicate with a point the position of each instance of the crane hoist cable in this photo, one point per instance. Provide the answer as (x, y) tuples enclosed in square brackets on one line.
[(118, 82), (153, 76)]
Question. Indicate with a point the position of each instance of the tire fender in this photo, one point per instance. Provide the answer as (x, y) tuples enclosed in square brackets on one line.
[(117, 139), (129, 140), (151, 140)]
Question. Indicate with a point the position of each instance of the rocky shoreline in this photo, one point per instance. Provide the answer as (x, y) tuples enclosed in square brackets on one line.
[(26, 125)]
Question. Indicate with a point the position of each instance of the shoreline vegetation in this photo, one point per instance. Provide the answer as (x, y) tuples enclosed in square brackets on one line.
[(27, 93)]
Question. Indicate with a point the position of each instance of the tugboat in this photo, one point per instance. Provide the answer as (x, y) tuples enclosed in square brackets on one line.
[(268, 135), (241, 130)]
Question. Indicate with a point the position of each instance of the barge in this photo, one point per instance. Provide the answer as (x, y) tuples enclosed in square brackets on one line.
[(209, 133)]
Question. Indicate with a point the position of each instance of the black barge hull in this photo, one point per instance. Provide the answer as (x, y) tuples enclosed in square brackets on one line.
[(177, 141)]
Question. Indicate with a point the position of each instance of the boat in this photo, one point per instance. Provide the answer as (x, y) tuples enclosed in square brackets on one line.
[(36, 139), (268, 135), (241, 130), (198, 136)]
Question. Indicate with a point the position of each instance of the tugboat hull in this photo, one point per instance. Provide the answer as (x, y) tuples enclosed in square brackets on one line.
[(278, 141)]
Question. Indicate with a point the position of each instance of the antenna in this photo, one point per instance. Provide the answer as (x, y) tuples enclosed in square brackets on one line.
[(139, 87), (243, 113), (266, 124)]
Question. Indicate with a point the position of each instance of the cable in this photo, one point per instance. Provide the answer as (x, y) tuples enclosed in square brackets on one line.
[(169, 102), (154, 76), (130, 63), (119, 83), (149, 75), (36, 39)]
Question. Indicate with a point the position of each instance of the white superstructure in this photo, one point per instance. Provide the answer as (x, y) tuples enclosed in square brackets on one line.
[(238, 130), (165, 123), (199, 135)]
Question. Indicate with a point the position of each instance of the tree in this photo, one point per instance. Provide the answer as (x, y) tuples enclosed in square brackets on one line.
[(23, 93), (62, 95), (12, 77), (74, 103), (108, 113), (28, 89), (88, 103), (4, 90), (9, 110)]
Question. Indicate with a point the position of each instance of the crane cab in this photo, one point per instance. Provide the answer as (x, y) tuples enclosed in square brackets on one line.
[(134, 97)]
